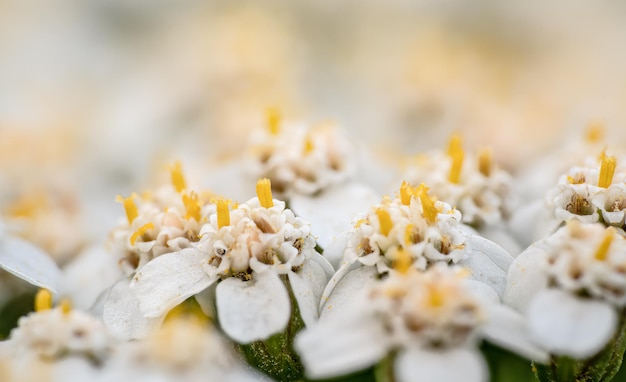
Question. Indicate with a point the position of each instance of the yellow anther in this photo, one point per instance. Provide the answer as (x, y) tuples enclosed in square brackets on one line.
[(140, 232), (455, 144), (603, 249), (594, 132), (360, 222), (430, 211), (406, 193), (264, 193), (192, 206), (403, 261), (484, 162), (384, 220), (607, 169), (436, 297), (273, 120), (43, 300), (454, 176), (409, 235), (308, 145), (129, 207), (177, 177), (66, 306), (223, 213)]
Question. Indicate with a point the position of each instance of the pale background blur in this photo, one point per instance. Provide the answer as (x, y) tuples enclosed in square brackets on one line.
[(97, 94)]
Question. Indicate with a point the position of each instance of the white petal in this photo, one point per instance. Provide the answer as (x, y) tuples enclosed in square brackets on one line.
[(168, 280), (332, 211), (454, 365), (526, 277), (346, 344), (253, 310), (335, 250), (122, 315), (345, 289), (320, 260), (507, 328), (481, 291), (488, 263), (503, 239), (308, 284), (206, 300), (531, 222), (29, 263), (570, 325)]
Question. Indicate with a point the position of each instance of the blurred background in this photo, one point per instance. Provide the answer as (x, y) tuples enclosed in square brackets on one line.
[(96, 96)]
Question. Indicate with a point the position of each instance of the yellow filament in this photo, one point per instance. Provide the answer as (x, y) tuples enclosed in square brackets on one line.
[(455, 168), (223, 213), (455, 144), (43, 300), (264, 193), (140, 232), (273, 120), (428, 204), (406, 193), (192, 206), (594, 132), (403, 261), (177, 177), (384, 219), (66, 306), (484, 162), (129, 207), (607, 169), (603, 249)]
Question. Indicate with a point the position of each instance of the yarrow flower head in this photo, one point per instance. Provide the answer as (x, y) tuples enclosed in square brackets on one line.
[(256, 253), (301, 160), (472, 183), (421, 321), (572, 287), (165, 221)]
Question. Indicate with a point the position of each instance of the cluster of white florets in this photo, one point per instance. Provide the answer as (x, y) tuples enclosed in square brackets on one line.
[(255, 238), (589, 260), (427, 236)]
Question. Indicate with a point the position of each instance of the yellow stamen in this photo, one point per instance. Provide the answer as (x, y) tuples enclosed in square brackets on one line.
[(177, 177), (264, 193), (406, 193), (223, 213), (436, 297), (308, 145), (43, 300), (28, 206), (273, 120), (603, 249), (403, 261), (360, 222), (129, 207), (140, 232), (457, 165), (384, 219), (594, 132), (428, 204), (455, 144), (409, 236), (484, 162), (66, 306), (607, 169), (192, 206)]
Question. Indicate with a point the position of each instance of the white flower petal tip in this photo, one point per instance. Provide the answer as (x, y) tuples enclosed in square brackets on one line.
[(333, 253), (342, 202), (525, 278), (29, 263), (343, 286), (168, 280), (308, 284), (122, 315), (568, 325), (488, 262), (459, 364), (253, 310)]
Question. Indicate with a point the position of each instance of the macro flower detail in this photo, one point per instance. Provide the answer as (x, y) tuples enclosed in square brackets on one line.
[(420, 322)]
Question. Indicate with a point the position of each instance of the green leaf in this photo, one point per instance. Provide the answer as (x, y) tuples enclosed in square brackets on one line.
[(15, 308), (505, 365)]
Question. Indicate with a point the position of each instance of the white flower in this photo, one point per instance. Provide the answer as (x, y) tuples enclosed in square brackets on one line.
[(570, 285), (432, 321), (253, 253), (428, 231)]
